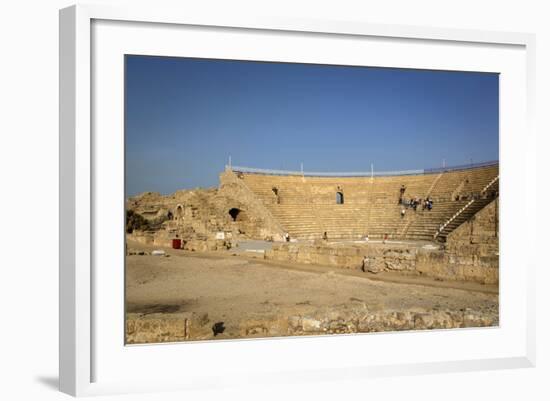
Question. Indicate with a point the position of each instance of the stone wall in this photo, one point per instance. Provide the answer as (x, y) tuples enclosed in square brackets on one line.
[(157, 329), (201, 214), (475, 242), (444, 265), (473, 248), (380, 258), (470, 254), (259, 223)]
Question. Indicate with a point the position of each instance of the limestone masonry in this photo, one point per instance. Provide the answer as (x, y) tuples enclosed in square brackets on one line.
[(328, 218)]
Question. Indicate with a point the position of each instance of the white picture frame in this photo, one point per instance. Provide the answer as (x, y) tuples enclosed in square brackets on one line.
[(79, 165)]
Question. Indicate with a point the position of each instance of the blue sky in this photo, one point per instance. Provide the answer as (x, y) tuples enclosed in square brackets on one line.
[(184, 117)]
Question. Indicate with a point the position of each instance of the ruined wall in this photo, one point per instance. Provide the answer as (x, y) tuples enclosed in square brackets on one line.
[(141, 329), (470, 254), (199, 215), (191, 215), (446, 266), (381, 258), (472, 250), (478, 237), (260, 222)]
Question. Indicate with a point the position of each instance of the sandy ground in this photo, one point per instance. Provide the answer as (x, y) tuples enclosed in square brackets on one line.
[(232, 288)]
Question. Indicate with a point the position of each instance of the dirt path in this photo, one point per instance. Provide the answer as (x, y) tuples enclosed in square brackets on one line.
[(389, 277)]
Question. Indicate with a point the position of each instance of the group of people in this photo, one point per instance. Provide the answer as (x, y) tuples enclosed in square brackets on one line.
[(415, 202)]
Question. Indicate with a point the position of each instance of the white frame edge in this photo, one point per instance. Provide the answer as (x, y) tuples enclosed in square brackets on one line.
[(75, 206), (75, 279)]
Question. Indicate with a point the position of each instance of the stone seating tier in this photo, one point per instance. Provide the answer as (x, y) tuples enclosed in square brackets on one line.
[(306, 206)]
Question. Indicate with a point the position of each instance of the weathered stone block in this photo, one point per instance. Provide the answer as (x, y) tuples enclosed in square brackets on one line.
[(311, 325), (423, 321)]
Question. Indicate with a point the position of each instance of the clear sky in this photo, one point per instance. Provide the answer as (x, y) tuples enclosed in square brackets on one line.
[(184, 117)]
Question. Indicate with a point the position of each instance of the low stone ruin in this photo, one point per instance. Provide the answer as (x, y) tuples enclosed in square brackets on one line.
[(196, 327), (203, 219)]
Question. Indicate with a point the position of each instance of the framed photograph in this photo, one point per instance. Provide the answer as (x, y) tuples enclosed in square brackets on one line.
[(272, 200)]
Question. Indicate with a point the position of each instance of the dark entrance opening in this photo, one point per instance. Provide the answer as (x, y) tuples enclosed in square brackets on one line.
[(339, 198), (234, 213)]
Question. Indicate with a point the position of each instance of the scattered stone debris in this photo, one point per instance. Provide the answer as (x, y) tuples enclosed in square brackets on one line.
[(311, 325), (142, 329), (134, 252)]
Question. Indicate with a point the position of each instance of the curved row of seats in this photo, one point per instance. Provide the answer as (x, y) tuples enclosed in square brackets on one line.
[(307, 206)]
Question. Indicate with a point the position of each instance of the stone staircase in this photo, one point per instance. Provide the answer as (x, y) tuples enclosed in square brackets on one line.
[(466, 213), (411, 221)]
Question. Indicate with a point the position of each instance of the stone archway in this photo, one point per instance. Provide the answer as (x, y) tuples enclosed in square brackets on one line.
[(235, 213)]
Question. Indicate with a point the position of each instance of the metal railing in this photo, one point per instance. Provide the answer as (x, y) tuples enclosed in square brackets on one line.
[(460, 167), (490, 183), (253, 170)]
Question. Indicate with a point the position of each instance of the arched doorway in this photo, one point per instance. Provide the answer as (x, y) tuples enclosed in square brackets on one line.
[(339, 198), (234, 213)]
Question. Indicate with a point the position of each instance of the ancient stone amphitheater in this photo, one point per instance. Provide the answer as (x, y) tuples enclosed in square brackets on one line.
[(266, 204), (348, 207), (290, 287)]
